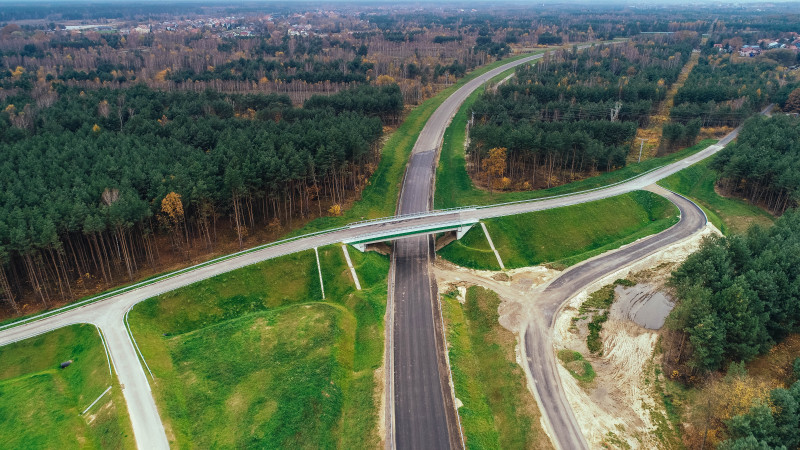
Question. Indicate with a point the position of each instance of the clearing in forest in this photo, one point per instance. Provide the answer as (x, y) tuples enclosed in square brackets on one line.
[(652, 133)]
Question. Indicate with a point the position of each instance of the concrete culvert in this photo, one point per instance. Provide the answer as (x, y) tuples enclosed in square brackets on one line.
[(66, 364)]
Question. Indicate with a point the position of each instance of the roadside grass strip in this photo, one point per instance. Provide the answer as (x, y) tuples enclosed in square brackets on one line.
[(497, 409), (45, 406), (729, 215), (253, 358), (564, 236)]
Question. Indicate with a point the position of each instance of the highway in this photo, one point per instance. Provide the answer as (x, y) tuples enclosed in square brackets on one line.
[(422, 400), (421, 413)]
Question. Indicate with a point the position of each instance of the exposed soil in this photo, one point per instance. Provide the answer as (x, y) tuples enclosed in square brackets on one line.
[(515, 287), (619, 408)]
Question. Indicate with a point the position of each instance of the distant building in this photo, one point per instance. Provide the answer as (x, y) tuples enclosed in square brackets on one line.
[(750, 51)]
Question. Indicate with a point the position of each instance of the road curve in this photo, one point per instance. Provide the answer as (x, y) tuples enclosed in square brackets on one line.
[(108, 314), (538, 345)]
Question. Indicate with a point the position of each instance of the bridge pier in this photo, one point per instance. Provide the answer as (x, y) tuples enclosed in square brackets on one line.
[(460, 232)]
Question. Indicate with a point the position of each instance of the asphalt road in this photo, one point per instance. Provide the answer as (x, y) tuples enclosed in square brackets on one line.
[(539, 353), (417, 310), (423, 415)]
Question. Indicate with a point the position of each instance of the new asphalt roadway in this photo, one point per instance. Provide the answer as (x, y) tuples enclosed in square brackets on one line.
[(417, 311), (538, 346)]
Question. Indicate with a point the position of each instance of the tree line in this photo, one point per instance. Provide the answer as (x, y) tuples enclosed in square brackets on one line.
[(575, 112), (723, 92), (772, 423), (104, 183), (763, 165), (739, 295)]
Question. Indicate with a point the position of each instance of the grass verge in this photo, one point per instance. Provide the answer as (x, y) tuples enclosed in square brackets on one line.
[(564, 236), (498, 411), (256, 358), (41, 404), (730, 215)]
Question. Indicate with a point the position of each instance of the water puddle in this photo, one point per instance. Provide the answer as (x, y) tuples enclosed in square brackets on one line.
[(644, 305)]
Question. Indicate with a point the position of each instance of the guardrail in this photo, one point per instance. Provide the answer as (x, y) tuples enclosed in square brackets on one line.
[(435, 212), (401, 232), (165, 276), (569, 194)]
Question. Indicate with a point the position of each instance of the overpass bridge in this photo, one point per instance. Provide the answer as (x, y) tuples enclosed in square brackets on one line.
[(402, 226)]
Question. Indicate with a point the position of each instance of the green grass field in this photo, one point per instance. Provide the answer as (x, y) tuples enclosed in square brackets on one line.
[(564, 236), (256, 358), (498, 410), (730, 215), (41, 404), (454, 187)]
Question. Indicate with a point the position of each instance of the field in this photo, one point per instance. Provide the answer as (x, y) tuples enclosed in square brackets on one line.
[(730, 215), (256, 358), (564, 236), (498, 410), (41, 404)]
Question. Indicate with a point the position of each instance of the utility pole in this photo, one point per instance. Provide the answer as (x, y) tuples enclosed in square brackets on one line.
[(641, 146)]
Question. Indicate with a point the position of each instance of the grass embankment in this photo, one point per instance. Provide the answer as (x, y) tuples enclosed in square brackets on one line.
[(454, 186), (498, 411), (564, 236), (256, 358), (578, 367), (730, 215), (41, 404)]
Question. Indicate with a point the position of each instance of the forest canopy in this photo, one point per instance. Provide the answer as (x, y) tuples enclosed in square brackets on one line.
[(87, 183), (763, 165), (575, 111), (739, 294)]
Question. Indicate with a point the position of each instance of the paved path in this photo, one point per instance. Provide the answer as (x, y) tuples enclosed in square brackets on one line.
[(423, 414)]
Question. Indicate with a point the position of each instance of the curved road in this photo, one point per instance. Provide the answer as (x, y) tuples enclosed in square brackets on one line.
[(109, 314), (538, 346)]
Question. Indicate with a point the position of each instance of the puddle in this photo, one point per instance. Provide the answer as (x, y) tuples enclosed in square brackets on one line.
[(644, 305)]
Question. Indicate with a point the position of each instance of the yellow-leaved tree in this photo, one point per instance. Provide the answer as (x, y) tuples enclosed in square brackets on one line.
[(494, 166), (172, 218)]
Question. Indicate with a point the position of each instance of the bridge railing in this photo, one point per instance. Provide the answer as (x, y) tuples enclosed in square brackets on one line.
[(396, 233), (399, 217)]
